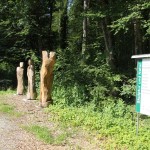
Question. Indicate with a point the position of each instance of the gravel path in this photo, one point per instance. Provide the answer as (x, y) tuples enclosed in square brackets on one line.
[(13, 137), (7, 132)]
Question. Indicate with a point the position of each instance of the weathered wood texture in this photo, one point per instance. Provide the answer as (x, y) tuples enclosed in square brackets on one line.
[(31, 93), (46, 77), (20, 79)]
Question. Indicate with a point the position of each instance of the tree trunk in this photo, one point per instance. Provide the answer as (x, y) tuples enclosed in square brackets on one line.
[(108, 42), (84, 38), (51, 5), (107, 35), (63, 27), (137, 38)]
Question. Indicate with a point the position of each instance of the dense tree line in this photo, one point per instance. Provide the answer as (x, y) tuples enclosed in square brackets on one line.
[(93, 39)]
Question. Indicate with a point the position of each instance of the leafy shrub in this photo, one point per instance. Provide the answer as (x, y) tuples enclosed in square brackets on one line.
[(7, 75), (76, 83), (128, 89), (114, 121)]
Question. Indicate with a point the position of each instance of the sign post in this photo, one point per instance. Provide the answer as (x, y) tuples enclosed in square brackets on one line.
[(137, 124), (142, 85)]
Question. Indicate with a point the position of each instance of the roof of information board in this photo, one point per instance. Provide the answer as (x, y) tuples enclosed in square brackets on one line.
[(141, 56)]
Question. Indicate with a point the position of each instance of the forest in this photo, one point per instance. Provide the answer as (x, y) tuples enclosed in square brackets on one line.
[(93, 40)]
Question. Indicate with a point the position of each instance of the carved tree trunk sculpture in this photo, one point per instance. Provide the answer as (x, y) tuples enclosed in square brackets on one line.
[(20, 79), (31, 93), (47, 78)]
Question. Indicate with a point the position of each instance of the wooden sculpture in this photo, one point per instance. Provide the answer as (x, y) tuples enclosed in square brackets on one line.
[(31, 93), (46, 78), (20, 79)]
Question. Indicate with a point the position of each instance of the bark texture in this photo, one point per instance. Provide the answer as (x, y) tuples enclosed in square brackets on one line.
[(108, 42), (46, 77), (84, 42)]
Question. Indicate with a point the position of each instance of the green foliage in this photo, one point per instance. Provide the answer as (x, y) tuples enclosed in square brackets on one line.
[(6, 70), (121, 24), (5, 108), (61, 138), (74, 96), (83, 83), (129, 88), (8, 109), (134, 12), (44, 134), (28, 27), (102, 82), (95, 15), (41, 133), (114, 122), (93, 120), (7, 92)]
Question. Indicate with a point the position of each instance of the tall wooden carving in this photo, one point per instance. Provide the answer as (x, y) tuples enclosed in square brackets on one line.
[(46, 77), (31, 93), (20, 79)]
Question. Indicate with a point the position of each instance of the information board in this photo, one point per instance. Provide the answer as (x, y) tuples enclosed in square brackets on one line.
[(143, 86)]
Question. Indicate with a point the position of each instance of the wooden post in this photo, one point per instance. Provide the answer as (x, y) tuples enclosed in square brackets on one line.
[(20, 79), (46, 78)]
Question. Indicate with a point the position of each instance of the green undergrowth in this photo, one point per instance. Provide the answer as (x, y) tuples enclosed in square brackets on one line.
[(7, 92), (47, 135), (115, 122), (5, 108), (9, 109)]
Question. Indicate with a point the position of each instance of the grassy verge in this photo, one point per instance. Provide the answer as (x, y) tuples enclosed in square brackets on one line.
[(47, 135), (115, 123), (5, 108), (8, 109), (7, 92)]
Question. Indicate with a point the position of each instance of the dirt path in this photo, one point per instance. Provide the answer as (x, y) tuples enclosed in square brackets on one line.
[(7, 132), (13, 137)]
